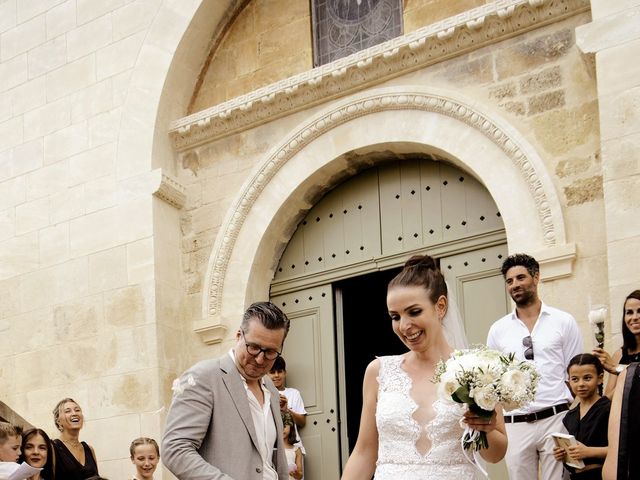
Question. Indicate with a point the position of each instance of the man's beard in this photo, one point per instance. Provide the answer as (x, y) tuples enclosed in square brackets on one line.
[(526, 298)]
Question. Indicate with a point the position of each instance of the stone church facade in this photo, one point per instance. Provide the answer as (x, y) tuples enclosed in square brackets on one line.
[(157, 157)]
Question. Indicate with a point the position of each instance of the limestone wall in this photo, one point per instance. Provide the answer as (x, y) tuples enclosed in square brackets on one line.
[(269, 40), (102, 268), (260, 48), (612, 39), (85, 248), (539, 82)]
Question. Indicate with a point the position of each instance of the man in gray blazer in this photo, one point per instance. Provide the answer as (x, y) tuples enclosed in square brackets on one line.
[(224, 421)]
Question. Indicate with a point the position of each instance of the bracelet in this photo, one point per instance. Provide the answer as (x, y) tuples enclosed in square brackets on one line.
[(618, 370)]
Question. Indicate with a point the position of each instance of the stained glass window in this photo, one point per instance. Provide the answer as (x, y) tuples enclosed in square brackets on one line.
[(342, 27)]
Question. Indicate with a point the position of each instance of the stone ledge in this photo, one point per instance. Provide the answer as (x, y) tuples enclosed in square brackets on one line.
[(210, 334), (556, 261), (171, 191), (453, 36)]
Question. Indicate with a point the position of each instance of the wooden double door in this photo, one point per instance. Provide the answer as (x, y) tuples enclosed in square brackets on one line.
[(338, 327)]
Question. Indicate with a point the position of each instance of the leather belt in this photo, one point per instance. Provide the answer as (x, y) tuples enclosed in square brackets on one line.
[(535, 416)]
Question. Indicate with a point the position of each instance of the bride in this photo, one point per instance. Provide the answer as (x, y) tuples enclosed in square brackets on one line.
[(406, 432)]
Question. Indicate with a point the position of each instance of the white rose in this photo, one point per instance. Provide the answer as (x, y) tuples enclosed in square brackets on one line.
[(487, 376), (468, 362), (486, 397), (515, 381), (448, 384)]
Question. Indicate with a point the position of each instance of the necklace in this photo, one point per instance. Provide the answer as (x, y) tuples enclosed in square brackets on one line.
[(75, 444)]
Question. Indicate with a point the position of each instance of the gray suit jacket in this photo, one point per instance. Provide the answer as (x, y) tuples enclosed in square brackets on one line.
[(209, 433)]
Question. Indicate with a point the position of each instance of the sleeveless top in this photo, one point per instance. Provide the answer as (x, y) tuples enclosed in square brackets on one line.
[(628, 358), (68, 468), (290, 453), (398, 432)]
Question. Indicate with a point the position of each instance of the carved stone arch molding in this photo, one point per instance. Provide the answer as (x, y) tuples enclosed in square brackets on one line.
[(319, 154)]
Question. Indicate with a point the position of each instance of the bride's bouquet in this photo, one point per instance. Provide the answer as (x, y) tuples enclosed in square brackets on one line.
[(484, 378)]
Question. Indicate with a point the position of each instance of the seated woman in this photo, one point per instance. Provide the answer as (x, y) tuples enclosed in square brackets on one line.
[(75, 460), (624, 427), (37, 451)]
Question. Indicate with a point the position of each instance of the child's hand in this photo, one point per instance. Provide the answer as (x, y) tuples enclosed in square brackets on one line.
[(294, 472), (283, 403), (558, 453), (579, 452)]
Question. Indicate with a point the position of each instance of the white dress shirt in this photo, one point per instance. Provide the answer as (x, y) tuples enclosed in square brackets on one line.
[(264, 425), (556, 339)]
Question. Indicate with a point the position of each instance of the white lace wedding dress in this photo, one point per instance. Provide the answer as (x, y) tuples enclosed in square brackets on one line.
[(398, 432)]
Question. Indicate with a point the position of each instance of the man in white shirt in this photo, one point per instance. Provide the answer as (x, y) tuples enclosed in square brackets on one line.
[(550, 338), (224, 421), (290, 398)]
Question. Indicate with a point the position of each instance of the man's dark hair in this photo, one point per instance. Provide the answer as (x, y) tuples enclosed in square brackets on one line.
[(520, 260), (279, 365), (270, 316)]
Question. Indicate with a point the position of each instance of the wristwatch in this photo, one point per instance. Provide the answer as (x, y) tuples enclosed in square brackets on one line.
[(618, 370)]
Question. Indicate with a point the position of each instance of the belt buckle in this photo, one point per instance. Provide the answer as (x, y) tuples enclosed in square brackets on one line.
[(531, 417)]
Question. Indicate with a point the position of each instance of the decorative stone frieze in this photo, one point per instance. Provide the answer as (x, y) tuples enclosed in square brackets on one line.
[(453, 36), (171, 191), (547, 205)]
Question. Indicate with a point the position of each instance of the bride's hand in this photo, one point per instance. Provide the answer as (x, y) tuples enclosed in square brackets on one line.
[(481, 424)]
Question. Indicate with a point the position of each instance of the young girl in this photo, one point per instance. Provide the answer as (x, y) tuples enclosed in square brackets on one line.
[(588, 421), (145, 455), (37, 451), (293, 453)]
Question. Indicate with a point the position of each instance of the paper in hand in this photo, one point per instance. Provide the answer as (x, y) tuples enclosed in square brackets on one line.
[(17, 471)]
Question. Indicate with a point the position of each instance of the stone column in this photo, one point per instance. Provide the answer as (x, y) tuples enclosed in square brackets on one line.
[(613, 40)]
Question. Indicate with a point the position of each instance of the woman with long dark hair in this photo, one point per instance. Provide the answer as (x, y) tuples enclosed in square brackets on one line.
[(630, 350), (406, 431), (37, 451)]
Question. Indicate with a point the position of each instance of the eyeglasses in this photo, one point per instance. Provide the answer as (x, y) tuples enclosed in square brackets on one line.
[(527, 342), (254, 350)]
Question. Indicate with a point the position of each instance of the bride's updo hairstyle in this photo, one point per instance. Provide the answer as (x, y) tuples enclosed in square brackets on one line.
[(421, 271)]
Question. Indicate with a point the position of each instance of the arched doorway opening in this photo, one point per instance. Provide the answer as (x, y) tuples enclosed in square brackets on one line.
[(331, 280), (339, 143)]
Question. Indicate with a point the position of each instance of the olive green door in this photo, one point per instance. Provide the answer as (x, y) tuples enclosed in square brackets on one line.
[(310, 355)]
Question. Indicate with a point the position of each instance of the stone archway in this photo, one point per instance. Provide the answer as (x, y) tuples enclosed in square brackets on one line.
[(163, 79), (319, 153)]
